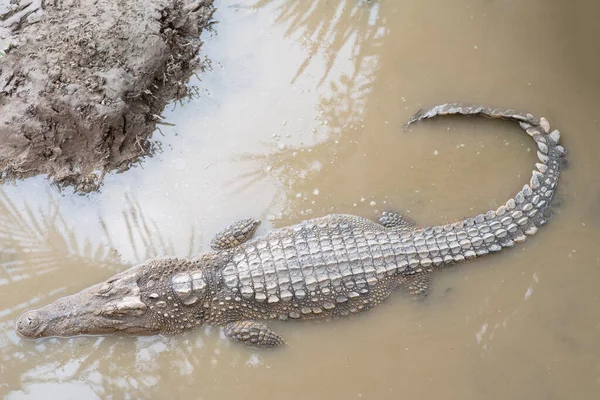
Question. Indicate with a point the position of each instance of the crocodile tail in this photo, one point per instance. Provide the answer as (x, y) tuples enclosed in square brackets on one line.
[(522, 215)]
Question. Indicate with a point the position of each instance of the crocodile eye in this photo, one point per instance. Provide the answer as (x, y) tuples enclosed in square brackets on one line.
[(104, 289)]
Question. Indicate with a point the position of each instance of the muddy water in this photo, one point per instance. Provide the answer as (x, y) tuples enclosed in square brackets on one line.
[(301, 116)]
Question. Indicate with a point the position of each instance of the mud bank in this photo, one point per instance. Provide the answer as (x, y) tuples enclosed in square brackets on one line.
[(83, 82)]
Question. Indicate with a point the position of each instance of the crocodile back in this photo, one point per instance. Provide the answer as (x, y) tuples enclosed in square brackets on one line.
[(317, 265)]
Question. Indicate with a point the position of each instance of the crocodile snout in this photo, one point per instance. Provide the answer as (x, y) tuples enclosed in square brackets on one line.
[(30, 324)]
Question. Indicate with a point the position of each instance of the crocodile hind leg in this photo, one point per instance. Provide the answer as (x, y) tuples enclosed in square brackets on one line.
[(396, 221), (234, 234), (252, 333)]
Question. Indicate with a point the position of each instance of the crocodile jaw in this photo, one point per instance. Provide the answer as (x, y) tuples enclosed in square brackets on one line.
[(60, 319), (109, 307)]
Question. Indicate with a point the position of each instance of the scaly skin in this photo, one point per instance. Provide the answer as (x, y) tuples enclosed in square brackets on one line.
[(326, 267)]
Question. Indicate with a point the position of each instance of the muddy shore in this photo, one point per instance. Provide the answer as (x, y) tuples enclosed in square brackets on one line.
[(83, 82)]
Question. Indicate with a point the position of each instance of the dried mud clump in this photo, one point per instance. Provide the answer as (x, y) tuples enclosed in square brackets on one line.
[(83, 82)]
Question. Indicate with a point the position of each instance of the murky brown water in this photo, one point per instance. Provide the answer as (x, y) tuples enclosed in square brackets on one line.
[(300, 117)]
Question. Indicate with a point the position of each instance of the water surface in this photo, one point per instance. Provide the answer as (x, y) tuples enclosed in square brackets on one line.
[(302, 116)]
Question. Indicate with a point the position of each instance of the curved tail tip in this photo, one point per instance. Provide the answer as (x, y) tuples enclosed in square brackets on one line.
[(417, 116)]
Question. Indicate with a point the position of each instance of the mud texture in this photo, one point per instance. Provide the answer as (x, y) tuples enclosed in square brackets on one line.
[(83, 82)]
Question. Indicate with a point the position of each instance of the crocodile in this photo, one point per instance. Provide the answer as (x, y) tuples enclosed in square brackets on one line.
[(322, 268)]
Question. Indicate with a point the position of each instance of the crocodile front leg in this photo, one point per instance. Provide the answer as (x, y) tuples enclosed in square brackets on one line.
[(252, 333), (234, 234)]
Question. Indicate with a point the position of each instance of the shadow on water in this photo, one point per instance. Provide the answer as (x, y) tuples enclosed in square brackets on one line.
[(327, 27), (38, 242)]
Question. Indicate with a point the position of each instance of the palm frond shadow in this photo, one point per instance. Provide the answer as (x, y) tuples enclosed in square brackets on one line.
[(328, 26), (146, 238), (33, 243)]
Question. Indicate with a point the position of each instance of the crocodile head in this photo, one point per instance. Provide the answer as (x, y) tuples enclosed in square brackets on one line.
[(137, 301)]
